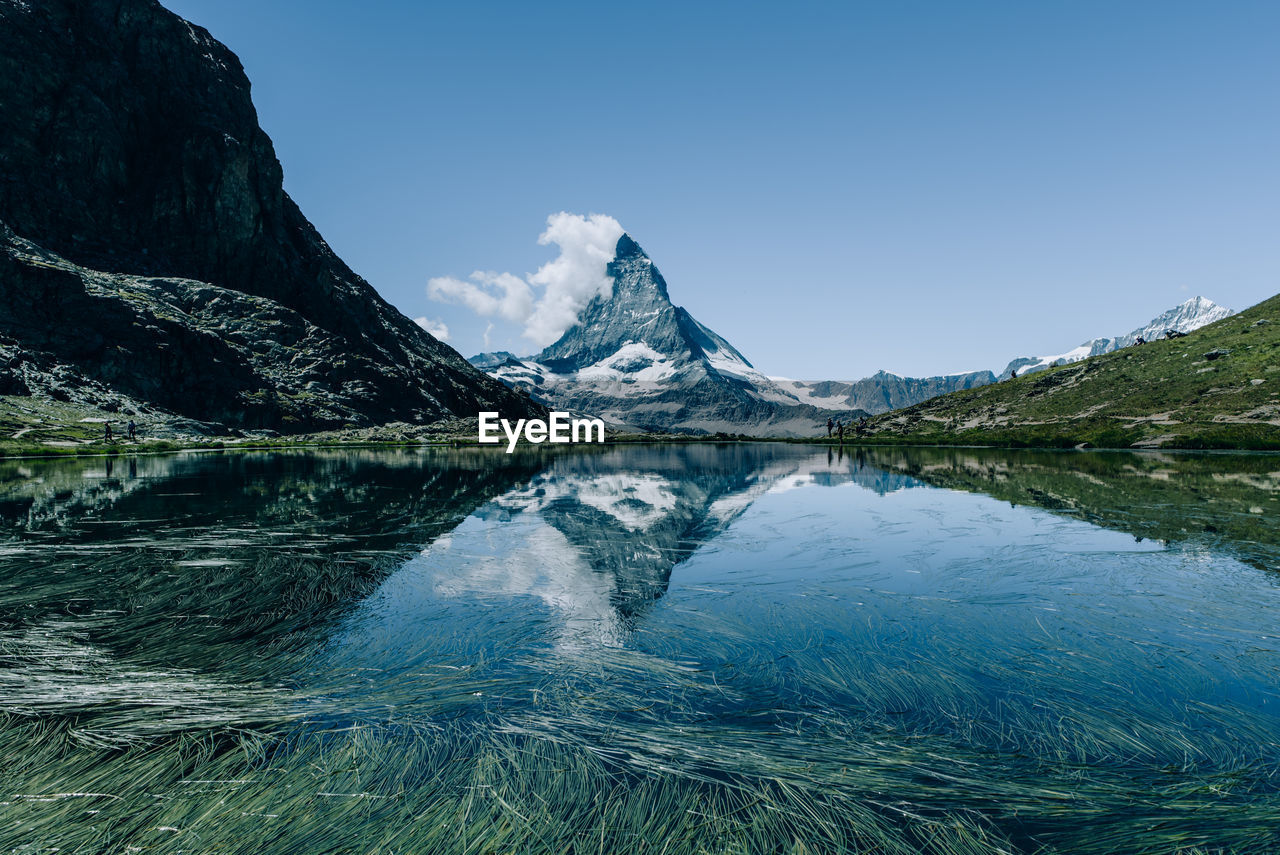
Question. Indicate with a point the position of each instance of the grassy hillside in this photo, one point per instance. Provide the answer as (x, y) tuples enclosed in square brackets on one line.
[(1218, 387)]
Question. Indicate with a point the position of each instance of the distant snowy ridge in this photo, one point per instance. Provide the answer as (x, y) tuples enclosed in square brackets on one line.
[(1185, 317), (885, 391), (882, 391), (640, 362)]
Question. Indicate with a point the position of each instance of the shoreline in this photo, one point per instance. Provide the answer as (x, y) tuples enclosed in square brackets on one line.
[(15, 451)]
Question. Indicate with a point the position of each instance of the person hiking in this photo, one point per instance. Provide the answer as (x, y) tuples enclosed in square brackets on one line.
[(840, 431), (106, 433), (133, 430), (830, 425)]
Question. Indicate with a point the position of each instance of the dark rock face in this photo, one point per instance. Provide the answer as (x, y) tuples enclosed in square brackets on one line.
[(129, 145)]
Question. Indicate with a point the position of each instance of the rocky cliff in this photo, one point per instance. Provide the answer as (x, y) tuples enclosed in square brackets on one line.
[(151, 258)]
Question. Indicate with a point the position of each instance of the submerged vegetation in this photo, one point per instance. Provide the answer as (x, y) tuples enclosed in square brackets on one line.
[(209, 654)]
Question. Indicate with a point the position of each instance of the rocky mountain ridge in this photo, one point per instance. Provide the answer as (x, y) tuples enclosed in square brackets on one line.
[(638, 361), (152, 262), (885, 391), (882, 391)]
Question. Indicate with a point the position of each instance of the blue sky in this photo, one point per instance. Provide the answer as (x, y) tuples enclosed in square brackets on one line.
[(836, 188)]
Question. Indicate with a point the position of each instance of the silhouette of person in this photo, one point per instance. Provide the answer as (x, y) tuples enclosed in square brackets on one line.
[(1013, 372), (106, 434), (830, 424), (133, 430), (840, 431)]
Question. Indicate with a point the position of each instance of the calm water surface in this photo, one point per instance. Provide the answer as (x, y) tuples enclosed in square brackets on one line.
[(885, 650)]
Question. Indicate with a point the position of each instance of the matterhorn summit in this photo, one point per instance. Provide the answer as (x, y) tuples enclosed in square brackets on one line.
[(639, 361)]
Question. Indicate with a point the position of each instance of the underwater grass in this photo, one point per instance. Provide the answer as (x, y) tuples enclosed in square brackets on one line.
[(172, 694), (490, 787), (620, 750), (463, 790)]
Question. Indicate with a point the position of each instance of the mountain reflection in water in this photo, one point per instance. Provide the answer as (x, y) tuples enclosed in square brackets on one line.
[(594, 538)]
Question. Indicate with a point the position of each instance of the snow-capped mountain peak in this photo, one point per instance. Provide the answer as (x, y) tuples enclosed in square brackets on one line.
[(1185, 317), (635, 358)]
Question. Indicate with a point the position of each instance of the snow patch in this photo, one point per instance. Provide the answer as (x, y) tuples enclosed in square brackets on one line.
[(633, 361), (729, 363), (1073, 355)]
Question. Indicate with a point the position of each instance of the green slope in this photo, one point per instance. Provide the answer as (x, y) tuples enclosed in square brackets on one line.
[(1171, 394)]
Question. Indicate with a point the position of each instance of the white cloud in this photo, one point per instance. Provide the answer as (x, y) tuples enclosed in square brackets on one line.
[(487, 293), (575, 276), (564, 285), (437, 328)]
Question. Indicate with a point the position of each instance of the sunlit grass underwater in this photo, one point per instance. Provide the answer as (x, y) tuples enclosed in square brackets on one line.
[(877, 668)]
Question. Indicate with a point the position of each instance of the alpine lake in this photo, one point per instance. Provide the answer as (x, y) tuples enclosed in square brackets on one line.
[(697, 648)]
